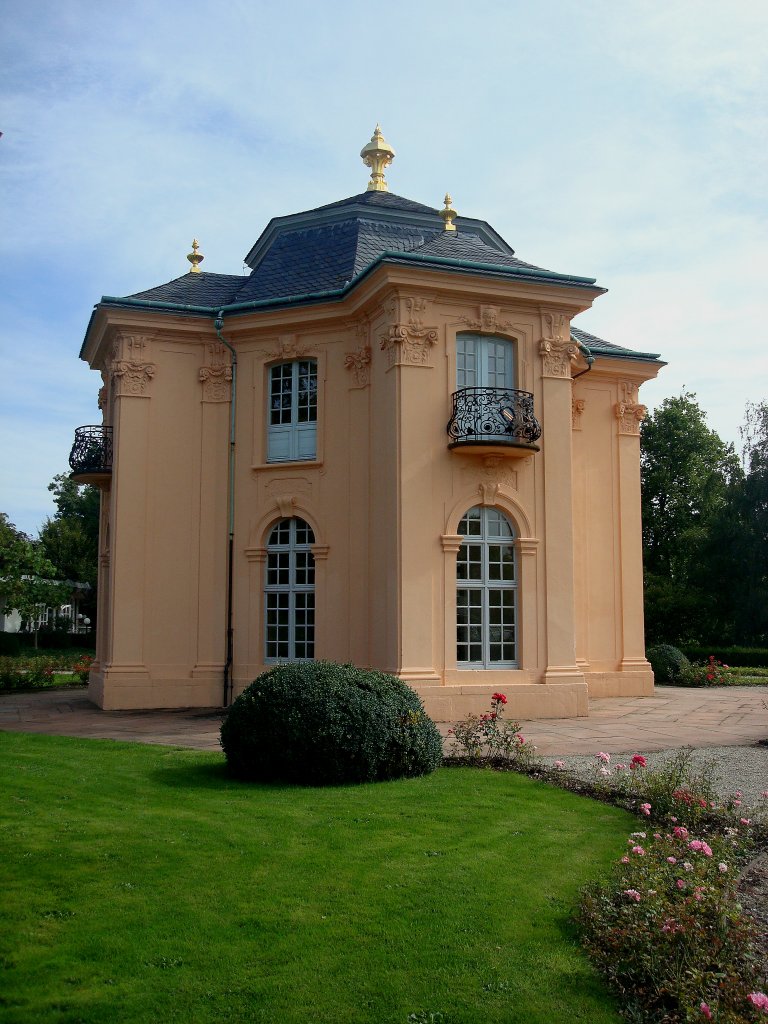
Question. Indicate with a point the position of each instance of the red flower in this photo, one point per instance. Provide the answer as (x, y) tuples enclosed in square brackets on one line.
[(499, 698), (638, 761)]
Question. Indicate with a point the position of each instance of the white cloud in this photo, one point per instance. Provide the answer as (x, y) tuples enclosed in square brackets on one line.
[(623, 141)]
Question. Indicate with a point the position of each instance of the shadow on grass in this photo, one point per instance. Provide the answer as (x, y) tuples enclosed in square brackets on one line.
[(205, 775)]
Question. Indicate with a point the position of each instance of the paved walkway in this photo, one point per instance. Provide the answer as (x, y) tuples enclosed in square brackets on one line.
[(672, 717)]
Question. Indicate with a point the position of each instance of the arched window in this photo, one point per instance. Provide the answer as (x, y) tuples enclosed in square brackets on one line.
[(484, 362), (486, 591), (289, 592), (292, 433)]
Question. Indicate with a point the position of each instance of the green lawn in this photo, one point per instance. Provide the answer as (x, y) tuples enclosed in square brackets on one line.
[(141, 884)]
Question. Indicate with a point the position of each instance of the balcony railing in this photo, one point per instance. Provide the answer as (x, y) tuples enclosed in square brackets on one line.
[(91, 455), (493, 416)]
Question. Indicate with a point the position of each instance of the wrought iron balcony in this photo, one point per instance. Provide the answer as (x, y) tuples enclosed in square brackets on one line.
[(498, 418), (91, 457)]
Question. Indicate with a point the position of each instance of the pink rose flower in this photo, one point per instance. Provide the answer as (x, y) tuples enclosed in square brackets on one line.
[(671, 860), (706, 1011), (758, 999), (722, 868), (645, 808), (638, 850), (602, 756), (560, 765), (633, 894), (680, 883)]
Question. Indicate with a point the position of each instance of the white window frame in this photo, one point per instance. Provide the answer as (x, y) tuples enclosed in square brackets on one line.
[(476, 356), (289, 593), (487, 591), (292, 424)]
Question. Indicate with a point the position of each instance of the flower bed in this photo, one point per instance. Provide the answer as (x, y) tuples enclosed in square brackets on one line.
[(666, 928)]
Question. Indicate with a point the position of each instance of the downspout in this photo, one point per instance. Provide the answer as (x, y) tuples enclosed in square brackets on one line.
[(588, 357), (218, 324)]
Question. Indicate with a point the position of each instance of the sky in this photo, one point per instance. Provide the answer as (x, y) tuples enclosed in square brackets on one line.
[(622, 141)]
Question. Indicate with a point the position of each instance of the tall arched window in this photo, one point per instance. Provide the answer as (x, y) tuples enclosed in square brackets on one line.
[(486, 591), (289, 592)]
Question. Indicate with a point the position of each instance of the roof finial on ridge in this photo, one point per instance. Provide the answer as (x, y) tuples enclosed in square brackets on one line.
[(195, 257), (449, 215), (378, 155)]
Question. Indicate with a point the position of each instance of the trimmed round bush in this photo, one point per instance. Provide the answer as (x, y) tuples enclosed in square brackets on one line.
[(668, 663), (318, 723)]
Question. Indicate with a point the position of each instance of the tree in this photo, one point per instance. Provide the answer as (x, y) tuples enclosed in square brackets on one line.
[(687, 473), (27, 578), (737, 552), (70, 539)]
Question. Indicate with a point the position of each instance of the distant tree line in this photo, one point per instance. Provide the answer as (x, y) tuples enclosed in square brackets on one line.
[(35, 572), (705, 527)]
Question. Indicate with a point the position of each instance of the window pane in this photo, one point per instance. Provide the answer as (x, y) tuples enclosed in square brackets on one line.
[(289, 598), (486, 591)]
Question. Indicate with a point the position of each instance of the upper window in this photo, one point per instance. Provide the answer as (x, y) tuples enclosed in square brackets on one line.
[(292, 434), (484, 362), (486, 591)]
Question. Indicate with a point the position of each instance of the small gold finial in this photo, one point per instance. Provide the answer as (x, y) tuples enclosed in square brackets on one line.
[(195, 257), (449, 215), (378, 155)]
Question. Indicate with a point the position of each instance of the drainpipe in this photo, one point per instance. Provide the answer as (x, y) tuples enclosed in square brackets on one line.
[(228, 686), (589, 358)]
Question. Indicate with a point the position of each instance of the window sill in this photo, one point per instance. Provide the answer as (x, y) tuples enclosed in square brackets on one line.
[(260, 467)]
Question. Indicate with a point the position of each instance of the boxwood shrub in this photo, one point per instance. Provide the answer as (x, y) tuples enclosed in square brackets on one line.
[(667, 662), (319, 723)]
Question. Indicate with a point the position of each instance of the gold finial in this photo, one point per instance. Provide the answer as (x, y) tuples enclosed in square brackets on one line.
[(448, 214), (378, 155), (195, 257)]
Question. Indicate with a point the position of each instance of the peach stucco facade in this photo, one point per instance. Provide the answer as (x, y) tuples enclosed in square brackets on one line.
[(384, 494)]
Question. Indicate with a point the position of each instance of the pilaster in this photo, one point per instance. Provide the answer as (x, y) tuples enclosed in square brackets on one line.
[(558, 352)]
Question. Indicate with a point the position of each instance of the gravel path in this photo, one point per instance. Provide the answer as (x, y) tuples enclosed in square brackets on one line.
[(733, 768)]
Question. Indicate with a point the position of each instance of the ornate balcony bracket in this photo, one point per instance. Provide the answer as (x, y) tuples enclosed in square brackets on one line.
[(91, 457), (493, 419)]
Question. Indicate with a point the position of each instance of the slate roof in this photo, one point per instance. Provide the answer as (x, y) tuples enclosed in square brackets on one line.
[(386, 200), (599, 347), (201, 289), (320, 253), (326, 256), (460, 245)]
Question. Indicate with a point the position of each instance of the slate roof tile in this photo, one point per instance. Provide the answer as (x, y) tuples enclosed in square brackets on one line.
[(601, 347), (203, 289)]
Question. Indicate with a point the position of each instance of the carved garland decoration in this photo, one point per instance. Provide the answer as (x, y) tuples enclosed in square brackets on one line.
[(216, 378), (360, 364)]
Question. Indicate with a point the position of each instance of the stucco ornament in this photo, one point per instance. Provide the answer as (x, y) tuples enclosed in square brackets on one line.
[(131, 374), (289, 348), (487, 322), (360, 364), (577, 408), (406, 345), (629, 412), (216, 377), (407, 341), (556, 348)]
